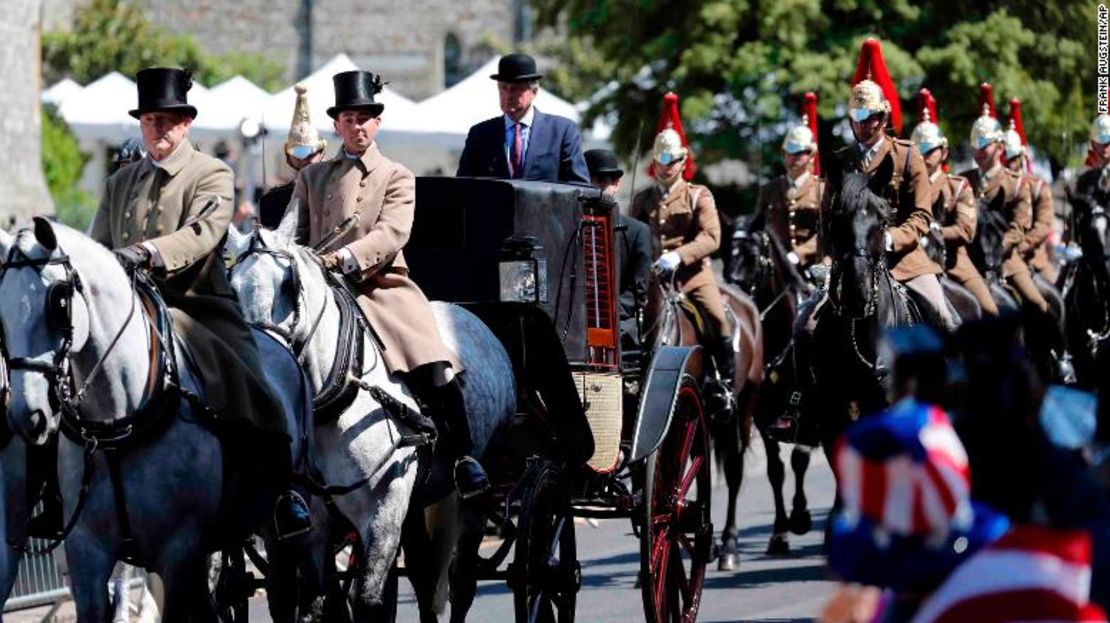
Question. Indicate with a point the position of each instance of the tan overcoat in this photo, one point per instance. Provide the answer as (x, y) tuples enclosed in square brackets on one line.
[(793, 214), (383, 193), (682, 219), (958, 218), (1035, 247), (145, 202)]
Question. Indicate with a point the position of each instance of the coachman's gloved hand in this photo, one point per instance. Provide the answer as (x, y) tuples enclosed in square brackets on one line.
[(667, 263), (331, 261), (134, 256)]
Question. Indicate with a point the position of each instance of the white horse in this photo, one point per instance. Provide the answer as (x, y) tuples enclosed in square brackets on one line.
[(70, 313), (280, 285)]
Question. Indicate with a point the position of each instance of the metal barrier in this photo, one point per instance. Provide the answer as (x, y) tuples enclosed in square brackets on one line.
[(39, 581)]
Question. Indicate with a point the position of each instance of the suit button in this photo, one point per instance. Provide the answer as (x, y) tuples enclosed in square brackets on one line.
[(358, 198), (126, 236), (160, 208), (362, 183)]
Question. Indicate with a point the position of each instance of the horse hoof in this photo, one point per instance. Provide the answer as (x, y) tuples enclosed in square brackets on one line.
[(800, 521), (778, 546), (728, 562)]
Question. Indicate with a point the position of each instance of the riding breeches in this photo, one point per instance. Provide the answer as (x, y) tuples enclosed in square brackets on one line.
[(1030, 295), (928, 286), (708, 299), (978, 288)]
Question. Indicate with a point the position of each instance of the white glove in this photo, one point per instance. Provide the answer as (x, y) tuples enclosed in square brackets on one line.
[(793, 257), (888, 241), (668, 262)]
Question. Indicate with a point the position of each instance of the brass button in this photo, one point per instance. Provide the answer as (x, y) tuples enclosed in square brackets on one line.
[(158, 229), (126, 215), (160, 208), (126, 236)]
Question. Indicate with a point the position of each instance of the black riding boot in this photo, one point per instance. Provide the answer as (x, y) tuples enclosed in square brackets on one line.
[(292, 516), (447, 410), (725, 358), (719, 399)]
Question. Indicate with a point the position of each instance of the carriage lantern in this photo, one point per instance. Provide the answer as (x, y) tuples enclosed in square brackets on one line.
[(523, 270)]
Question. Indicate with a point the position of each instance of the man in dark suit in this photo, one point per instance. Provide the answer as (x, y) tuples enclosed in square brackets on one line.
[(633, 242), (523, 143)]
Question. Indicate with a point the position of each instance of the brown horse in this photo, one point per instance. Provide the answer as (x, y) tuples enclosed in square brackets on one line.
[(672, 319)]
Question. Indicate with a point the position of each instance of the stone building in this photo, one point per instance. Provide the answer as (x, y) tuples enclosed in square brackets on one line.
[(24, 191), (420, 46)]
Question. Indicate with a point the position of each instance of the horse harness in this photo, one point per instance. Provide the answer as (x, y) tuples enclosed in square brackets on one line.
[(162, 392)]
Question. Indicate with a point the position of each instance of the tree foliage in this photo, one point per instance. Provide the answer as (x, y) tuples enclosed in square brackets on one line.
[(741, 66), (62, 164), (114, 35)]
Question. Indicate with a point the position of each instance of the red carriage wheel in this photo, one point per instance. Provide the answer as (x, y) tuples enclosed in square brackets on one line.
[(545, 575), (677, 534)]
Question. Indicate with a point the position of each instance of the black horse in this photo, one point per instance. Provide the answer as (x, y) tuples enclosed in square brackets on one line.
[(851, 377), (1086, 285), (782, 413)]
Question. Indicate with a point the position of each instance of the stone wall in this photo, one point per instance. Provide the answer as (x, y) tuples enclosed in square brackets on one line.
[(401, 39), (22, 186)]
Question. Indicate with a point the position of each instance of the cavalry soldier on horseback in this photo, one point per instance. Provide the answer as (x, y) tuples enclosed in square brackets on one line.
[(154, 214), (303, 147), (361, 181), (1000, 189), (954, 211), (908, 192), (790, 205), (1095, 181), (1035, 248), (684, 223)]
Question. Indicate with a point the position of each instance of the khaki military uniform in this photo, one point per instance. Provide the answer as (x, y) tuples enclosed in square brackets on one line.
[(684, 219), (148, 202), (384, 194), (1035, 247), (954, 209), (792, 211), (1001, 189)]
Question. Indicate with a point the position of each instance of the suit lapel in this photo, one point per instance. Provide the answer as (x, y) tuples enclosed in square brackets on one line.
[(884, 149), (500, 164), (535, 137)]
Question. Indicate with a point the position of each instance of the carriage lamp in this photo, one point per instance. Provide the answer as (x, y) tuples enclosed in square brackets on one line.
[(523, 270)]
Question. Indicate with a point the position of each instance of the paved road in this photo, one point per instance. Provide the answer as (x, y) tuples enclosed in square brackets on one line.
[(763, 589)]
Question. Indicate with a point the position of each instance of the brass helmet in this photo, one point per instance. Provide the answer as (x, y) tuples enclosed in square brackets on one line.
[(867, 99), (304, 140), (799, 138), (1011, 141), (985, 130), (1100, 129), (668, 147), (927, 136)]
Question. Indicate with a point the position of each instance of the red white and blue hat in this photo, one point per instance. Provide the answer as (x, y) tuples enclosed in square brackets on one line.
[(907, 517)]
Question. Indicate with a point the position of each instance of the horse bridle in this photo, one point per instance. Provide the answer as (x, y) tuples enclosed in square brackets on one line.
[(258, 247), (59, 317)]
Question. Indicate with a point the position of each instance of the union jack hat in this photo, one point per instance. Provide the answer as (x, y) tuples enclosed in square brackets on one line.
[(907, 517)]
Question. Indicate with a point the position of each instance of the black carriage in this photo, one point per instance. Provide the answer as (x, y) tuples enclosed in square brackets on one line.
[(600, 432)]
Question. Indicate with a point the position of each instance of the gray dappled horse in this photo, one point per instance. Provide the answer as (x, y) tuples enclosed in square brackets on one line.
[(281, 286), (76, 331)]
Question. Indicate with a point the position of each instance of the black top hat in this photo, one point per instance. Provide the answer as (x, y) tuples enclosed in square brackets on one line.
[(163, 89), (355, 90), (602, 162), (516, 68)]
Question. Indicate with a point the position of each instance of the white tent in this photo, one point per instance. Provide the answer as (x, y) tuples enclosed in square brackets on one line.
[(228, 103), (61, 92), (278, 111), (101, 110)]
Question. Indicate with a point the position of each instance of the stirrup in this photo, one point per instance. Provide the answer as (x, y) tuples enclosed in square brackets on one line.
[(474, 481), (292, 516)]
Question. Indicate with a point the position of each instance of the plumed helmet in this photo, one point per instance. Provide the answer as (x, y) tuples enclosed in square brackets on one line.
[(927, 137), (668, 147), (867, 99), (1011, 141), (985, 130), (799, 139), (303, 139), (1100, 129)]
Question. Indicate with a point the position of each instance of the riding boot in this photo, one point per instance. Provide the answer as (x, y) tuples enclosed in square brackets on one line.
[(292, 516), (725, 358), (448, 411)]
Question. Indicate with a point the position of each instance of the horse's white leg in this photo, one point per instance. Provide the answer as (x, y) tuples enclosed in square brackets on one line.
[(148, 606), (120, 592)]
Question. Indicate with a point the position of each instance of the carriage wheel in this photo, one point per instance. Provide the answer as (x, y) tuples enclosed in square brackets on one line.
[(545, 575), (677, 534)]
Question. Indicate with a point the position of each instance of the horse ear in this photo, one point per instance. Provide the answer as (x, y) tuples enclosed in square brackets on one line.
[(286, 232), (882, 176), (44, 233), (235, 244)]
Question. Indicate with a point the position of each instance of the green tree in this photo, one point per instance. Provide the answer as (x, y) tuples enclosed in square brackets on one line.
[(741, 66), (62, 164), (114, 35)]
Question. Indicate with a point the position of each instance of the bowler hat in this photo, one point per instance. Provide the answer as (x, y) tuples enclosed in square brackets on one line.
[(602, 162), (516, 68), (163, 89), (355, 90)]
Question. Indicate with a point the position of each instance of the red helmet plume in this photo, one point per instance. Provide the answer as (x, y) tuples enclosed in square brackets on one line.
[(870, 66), (670, 118), (986, 100)]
